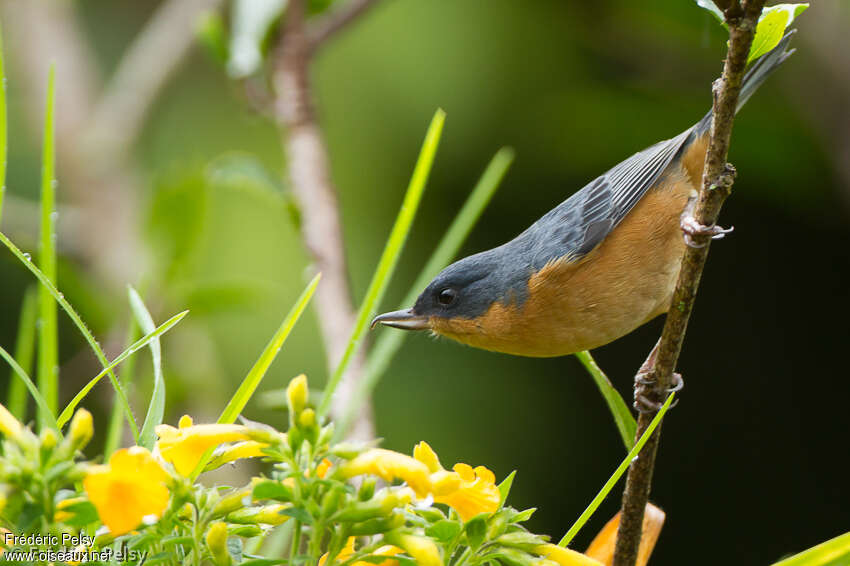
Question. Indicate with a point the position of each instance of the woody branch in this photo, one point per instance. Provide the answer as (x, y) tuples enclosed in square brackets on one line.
[(718, 176), (309, 173)]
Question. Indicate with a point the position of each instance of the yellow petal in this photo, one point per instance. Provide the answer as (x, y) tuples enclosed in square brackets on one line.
[(129, 489), (425, 454), (389, 466), (476, 492), (184, 447)]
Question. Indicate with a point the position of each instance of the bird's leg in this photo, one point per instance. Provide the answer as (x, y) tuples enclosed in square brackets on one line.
[(645, 391), (692, 228)]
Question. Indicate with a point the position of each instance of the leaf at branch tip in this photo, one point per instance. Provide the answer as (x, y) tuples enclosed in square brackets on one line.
[(833, 552), (156, 408), (712, 9), (771, 27)]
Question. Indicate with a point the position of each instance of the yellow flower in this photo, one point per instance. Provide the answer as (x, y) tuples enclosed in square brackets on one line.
[(128, 490), (185, 446), (565, 556), (466, 490), (389, 466), (323, 467)]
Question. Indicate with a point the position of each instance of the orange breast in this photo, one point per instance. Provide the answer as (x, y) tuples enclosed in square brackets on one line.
[(624, 282)]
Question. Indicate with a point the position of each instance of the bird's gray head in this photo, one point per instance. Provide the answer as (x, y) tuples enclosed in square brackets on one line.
[(464, 290)]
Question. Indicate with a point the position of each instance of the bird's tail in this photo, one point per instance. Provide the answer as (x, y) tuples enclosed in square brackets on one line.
[(754, 78)]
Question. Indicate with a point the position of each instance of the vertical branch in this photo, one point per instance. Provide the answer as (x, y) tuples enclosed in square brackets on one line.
[(321, 227), (717, 180)]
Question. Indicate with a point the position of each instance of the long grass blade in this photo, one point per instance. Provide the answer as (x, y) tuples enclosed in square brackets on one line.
[(623, 418), (252, 380), (138, 345), (618, 473), (3, 127), (390, 255), (40, 401), (834, 552), (78, 322), (389, 343), (16, 401), (156, 408), (48, 331), (116, 418)]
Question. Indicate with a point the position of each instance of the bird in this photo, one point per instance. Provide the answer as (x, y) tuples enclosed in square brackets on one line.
[(591, 270)]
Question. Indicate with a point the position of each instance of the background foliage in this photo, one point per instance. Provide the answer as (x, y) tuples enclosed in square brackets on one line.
[(574, 88)]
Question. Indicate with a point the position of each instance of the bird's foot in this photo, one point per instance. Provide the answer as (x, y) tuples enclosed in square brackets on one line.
[(693, 229), (646, 392)]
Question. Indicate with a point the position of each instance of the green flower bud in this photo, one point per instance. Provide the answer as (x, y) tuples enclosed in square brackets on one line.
[(297, 394), (81, 429), (377, 526), (48, 439), (217, 543)]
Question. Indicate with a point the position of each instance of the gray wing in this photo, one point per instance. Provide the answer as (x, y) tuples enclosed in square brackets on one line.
[(582, 221)]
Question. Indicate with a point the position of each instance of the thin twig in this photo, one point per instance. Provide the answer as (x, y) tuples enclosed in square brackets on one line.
[(321, 227), (329, 24), (717, 181)]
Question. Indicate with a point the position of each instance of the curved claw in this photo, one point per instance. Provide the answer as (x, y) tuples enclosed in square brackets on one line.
[(692, 229)]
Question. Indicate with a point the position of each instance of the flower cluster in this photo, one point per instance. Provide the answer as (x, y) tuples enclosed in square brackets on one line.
[(342, 504)]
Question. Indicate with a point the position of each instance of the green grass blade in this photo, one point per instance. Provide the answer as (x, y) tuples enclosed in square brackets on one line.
[(389, 343), (40, 401), (16, 401), (68, 412), (618, 473), (116, 418), (156, 408), (834, 552), (78, 322), (623, 418), (252, 380), (390, 255), (3, 127), (48, 331)]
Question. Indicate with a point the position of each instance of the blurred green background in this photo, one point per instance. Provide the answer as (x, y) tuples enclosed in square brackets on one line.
[(754, 462)]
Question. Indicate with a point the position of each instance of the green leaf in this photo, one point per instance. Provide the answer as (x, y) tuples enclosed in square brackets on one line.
[(444, 531), (271, 489), (505, 487), (298, 513), (40, 402), (390, 255), (476, 530), (389, 343), (16, 401), (3, 127), (712, 8), (258, 371), (156, 408), (138, 345), (48, 327), (623, 418), (523, 515), (834, 552), (618, 473), (263, 562), (82, 514), (78, 322), (771, 27)]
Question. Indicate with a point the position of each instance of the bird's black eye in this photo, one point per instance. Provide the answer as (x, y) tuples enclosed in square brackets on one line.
[(447, 296)]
